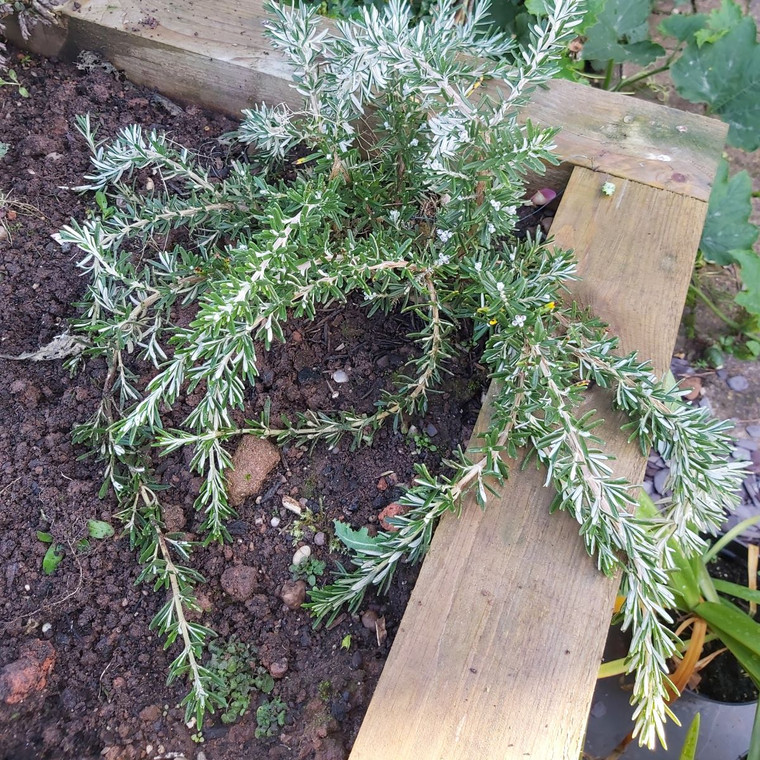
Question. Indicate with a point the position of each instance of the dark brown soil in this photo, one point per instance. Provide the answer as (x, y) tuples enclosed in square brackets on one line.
[(92, 674)]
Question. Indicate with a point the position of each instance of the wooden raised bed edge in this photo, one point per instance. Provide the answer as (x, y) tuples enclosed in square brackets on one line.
[(497, 653)]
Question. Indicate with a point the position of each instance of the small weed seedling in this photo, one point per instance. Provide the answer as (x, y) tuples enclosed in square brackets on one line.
[(311, 571), (12, 81), (55, 553), (423, 222), (270, 717), (238, 677)]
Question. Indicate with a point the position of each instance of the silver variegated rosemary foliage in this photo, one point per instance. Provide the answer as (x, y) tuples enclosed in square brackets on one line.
[(422, 220)]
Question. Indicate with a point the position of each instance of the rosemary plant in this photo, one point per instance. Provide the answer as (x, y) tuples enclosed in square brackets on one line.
[(421, 220)]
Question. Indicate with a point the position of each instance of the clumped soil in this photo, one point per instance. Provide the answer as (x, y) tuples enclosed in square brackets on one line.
[(81, 674)]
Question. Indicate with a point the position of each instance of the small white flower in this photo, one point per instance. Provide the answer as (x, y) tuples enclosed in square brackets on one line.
[(500, 287), (491, 228), (519, 320), (478, 266), (414, 142), (511, 210), (443, 259), (394, 215), (444, 235), (496, 205)]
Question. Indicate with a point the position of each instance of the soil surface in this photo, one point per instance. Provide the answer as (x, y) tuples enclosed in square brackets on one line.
[(81, 674)]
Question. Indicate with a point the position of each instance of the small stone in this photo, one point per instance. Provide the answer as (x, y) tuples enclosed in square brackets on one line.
[(660, 479), (293, 594), (320, 539), (753, 430), (394, 509), (369, 619), (382, 484), (598, 709), (741, 455), (339, 376), (431, 430), (357, 660), (150, 714), (302, 554), (292, 505), (648, 487), (747, 443), (737, 383), (278, 668), (46, 628), (691, 384), (174, 517), (252, 462), (201, 756), (275, 522), (28, 674), (239, 582)]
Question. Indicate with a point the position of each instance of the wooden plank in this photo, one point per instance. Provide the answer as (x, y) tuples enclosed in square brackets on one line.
[(213, 53), (497, 653)]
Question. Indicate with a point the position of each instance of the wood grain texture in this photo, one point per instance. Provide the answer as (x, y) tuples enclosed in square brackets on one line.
[(497, 653), (213, 53)]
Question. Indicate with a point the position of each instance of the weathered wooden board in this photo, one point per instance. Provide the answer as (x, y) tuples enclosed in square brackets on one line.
[(213, 53), (497, 653)]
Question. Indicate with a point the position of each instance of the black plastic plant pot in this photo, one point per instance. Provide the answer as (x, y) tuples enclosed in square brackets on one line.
[(725, 728)]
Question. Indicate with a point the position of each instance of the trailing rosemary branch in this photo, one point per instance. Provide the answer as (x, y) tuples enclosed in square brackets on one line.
[(422, 220)]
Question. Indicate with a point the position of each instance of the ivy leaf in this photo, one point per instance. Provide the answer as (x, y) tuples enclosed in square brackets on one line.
[(53, 557), (749, 298), (621, 34), (727, 227), (721, 67), (356, 540)]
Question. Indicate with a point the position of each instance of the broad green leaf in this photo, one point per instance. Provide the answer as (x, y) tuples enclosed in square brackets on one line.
[(357, 540), (689, 749), (99, 529), (46, 538), (683, 27), (749, 298), (719, 23), (727, 227), (621, 33), (51, 560), (725, 618), (736, 590), (725, 74)]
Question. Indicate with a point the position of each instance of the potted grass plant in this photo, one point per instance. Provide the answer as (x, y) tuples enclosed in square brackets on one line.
[(707, 609)]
